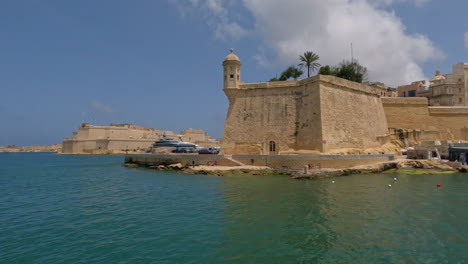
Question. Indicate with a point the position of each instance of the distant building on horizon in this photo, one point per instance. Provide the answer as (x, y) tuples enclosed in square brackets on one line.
[(415, 89), (115, 138), (450, 89)]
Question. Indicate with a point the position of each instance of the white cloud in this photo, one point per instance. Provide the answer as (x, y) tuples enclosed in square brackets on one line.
[(233, 30), (380, 41), (329, 27), (466, 40), (102, 107), (417, 3), (215, 14)]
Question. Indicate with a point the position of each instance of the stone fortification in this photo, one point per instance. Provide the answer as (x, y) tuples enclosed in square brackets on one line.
[(288, 162), (321, 113), (329, 114), (426, 122), (117, 138), (48, 148)]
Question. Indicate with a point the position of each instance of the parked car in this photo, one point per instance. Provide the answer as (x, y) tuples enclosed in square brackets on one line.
[(183, 150), (208, 150)]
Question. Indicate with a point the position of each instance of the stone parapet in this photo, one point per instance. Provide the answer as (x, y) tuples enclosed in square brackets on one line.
[(448, 110), (335, 81), (404, 101)]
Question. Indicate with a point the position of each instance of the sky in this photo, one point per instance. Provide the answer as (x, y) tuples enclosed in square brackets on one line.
[(158, 63)]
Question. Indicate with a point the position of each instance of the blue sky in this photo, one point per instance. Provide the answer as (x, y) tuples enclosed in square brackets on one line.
[(158, 63)]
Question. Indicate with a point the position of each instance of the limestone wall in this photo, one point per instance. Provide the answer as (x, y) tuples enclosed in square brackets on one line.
[(320, 113), (124, 136), (298, 162), (444, 123), (89, 145), (352, 115), (295, 162), (184, 159), (257, 116)]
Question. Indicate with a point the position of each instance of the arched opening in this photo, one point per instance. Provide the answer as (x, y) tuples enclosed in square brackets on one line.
[(272, 147)]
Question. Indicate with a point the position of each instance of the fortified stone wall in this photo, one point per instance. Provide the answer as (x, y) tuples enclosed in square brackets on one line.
[(294, 162), (352, 115), (320, 113), (257, 116), (443, 123), (184, 159), (90, 139), (298, 162)]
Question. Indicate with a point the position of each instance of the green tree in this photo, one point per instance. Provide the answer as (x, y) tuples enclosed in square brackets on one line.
[(351, 70), (309, 60), (290, 72), (326, 70), (347, 69)]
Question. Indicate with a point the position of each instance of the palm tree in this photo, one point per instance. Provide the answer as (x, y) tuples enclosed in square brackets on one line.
[(309, 59)]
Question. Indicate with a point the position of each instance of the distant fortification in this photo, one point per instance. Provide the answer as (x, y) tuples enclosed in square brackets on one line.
[(326, 114), (119, 138)]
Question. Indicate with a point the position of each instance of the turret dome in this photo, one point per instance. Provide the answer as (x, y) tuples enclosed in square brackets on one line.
[(232, 57)]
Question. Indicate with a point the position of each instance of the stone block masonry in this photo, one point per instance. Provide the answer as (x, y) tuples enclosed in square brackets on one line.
[(291, 162)]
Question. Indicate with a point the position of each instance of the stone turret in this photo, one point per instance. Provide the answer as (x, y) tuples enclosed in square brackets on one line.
[(231, 67)]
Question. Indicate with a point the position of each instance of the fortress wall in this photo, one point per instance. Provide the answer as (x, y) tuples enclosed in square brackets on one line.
[(308, 125), (414, 113), (258, 116), (67, 146), (454, 120), (74, 146), (184, 159), (122, 144), (298, 162), (352, 114), (295, 162), (408, 113)]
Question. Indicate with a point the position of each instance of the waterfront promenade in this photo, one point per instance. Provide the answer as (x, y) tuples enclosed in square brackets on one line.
[(291, 162)]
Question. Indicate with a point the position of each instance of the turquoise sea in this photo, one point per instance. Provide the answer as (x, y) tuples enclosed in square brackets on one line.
[(89, 209)]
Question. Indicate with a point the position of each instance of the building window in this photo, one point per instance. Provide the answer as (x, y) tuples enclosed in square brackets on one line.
[(238, 78), (404, 94), (460, 100), (231, 77), (412, 93), (272, 146), (225, 77)]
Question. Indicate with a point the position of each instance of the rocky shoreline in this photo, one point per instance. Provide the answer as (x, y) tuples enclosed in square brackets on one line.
[(396, 166)]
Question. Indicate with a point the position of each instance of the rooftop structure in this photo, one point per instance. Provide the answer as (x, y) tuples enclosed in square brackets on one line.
[(450, 89)]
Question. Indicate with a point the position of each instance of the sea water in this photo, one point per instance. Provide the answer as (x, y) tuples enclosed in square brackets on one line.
[(89, 209)]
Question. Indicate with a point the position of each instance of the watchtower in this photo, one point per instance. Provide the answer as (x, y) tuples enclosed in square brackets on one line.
[(231, 67)]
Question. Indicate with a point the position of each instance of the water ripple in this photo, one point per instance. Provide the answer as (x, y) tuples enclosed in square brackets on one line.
[(89, 209)]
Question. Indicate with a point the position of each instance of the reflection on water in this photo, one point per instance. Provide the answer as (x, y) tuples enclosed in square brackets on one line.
[(354, 220), (89, 209)]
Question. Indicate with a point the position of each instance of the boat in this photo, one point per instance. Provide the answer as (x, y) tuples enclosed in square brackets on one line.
[(165, 141)]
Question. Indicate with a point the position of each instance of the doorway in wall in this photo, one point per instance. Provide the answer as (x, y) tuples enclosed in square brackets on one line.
[(272, 147)]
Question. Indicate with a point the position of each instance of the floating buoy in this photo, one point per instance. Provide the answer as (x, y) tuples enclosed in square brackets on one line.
[(389, 186), (333, 181), (439, 185), (394, 179)]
